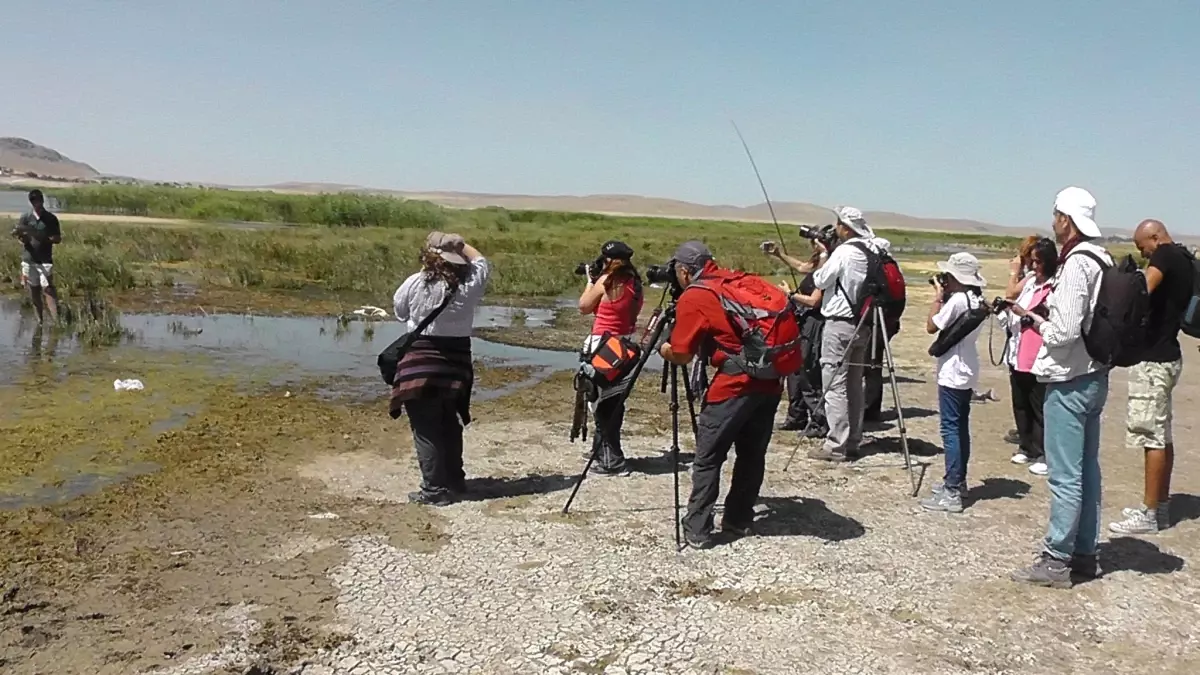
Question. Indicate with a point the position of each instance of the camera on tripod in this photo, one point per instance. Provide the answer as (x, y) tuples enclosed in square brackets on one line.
[(664, 275)]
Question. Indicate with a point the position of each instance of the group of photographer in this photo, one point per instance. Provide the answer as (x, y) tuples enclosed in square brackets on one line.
[(1063, 341)]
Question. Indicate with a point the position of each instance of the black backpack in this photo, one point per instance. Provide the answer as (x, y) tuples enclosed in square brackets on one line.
[(1190, 324), (1117, 336)]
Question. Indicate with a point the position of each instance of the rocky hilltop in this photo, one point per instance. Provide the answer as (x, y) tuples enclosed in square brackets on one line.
[(21, 156)]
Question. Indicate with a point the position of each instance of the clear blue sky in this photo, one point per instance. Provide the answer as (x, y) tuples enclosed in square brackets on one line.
[(968, 109)]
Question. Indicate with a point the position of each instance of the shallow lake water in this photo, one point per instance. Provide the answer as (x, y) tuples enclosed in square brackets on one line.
[(290, 349)]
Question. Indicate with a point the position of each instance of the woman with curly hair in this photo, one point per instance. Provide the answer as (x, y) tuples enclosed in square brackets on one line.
[(615, 298), (434, 377)]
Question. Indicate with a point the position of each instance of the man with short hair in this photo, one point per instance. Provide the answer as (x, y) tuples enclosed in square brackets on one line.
[(1152, 382), (1076, 391), (38, 230), (843, 348), (738, 410)]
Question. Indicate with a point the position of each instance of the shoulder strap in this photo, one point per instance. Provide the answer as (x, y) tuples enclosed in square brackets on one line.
[(429, 318), (1098, 260)]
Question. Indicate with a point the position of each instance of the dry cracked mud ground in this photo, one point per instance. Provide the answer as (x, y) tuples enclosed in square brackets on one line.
[(311, 562)]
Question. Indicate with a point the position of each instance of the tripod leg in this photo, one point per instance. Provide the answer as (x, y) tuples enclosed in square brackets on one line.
[(675, 449), (691, 401), (891, 368)]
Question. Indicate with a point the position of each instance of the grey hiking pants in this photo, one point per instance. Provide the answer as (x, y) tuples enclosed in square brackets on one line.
[(844, 384)]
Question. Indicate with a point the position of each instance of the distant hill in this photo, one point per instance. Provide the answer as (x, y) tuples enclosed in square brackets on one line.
[(635, 205), (21, 156)]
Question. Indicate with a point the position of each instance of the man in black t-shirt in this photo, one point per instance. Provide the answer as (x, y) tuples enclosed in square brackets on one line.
[(805, 411), (39, 231), (1151, 383)]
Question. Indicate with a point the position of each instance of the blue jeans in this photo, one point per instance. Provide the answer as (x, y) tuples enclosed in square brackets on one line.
[(955, 408), (1072, 422)]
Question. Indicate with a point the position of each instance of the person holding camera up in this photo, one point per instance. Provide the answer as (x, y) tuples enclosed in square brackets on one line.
[(806, 411), (1076, 391), (614, 295), (745, 328), (1028, 395), (841, 279), (435, 374), (958, 293)]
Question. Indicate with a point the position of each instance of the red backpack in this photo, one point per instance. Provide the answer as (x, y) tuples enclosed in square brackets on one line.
[(764, 318), (884, 282)]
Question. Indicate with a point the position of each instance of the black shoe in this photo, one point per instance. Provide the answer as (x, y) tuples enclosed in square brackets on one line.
[(817, 432), (793, 425), (443, 498), (737, 529), (1085, 567), (621, 469), (1012, 437)]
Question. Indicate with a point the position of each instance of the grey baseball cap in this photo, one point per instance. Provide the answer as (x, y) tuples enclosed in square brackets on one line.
[(692, 254)]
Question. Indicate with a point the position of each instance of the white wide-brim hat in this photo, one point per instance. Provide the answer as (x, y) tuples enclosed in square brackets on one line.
[(965, 268), (854, 219)]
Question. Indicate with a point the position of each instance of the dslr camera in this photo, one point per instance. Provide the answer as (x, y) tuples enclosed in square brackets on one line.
[(591, 269), (941, 279), (826, 235), (665, 275)]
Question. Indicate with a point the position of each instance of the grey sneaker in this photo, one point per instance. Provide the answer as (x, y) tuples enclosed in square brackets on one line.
[(1137, 521), (1045, 571), (1162, 514), (944, 499), (825, 455)]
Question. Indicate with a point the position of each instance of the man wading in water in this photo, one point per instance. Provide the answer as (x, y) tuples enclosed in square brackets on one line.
[(38, 230)]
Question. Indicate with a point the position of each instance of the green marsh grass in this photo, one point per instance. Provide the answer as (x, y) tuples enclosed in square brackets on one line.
[(533, 253)]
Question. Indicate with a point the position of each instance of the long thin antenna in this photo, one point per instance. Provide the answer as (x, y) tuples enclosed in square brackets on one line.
[(770, 206)]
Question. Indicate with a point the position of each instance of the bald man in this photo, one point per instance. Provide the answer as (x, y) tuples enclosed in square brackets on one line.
[(1151, 383)]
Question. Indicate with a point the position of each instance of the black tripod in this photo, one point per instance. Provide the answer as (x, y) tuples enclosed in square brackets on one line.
[(662, 320)]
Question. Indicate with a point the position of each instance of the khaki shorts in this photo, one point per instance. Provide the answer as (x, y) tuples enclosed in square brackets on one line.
[(37, 275), (1148, 423)]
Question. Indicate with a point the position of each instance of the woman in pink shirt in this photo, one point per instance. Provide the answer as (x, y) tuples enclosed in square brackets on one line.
[(1022, 350), (615, 297)]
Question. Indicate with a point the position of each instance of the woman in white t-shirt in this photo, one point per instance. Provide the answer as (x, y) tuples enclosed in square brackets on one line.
[(957, 291)]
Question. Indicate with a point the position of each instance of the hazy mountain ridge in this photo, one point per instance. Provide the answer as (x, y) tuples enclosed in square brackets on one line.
[(20, 155)]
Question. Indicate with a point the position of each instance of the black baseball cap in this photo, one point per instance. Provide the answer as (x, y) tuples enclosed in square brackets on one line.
[(616, 250)]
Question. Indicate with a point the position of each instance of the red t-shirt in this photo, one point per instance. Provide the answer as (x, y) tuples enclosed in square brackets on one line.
[(700, 317)]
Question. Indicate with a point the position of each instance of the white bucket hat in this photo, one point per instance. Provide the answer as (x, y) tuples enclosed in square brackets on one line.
[(965, 268), (853, 219), (1081, 206)]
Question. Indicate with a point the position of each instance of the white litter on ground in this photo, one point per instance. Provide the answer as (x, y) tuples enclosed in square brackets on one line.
[(128, 385)]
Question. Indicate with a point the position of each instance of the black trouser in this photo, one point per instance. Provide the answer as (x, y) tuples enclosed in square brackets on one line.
[(438, 439), (1028, 395), (873, 382), (744, 423), (804, 397), (606, 440)]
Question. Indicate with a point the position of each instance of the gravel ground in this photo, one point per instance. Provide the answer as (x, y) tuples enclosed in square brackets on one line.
[(847, 575)]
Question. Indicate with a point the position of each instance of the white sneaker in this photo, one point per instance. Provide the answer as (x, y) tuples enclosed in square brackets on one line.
[(1039, 469), (1020, 458)]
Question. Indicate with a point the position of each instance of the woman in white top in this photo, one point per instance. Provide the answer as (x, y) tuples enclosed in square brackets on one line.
[(1021, 351), (434, 377)]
